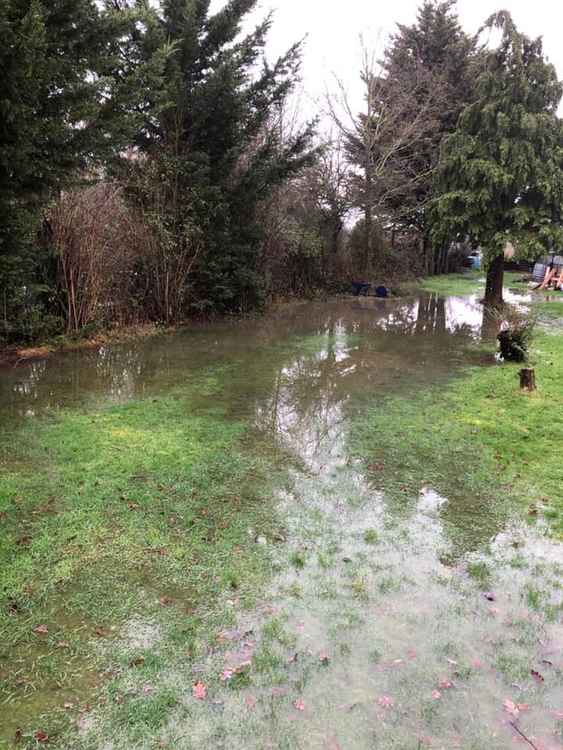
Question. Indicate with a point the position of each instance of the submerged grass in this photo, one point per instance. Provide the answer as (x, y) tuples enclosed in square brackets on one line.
[(147, 512), (478, 440)]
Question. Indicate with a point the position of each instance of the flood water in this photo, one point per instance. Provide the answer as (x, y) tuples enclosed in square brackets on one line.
[(417, 656), (363, 343)]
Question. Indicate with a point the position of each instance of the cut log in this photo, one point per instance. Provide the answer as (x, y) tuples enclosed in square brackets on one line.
[(528, 379)]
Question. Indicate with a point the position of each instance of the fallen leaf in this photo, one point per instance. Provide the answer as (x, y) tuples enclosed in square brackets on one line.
[(436, 695), (68, 705), (137, 662), (425, 740), (385, 701), (299, 705), (41, 629), (63, 644), (40, 736), (445, 684), (537, 676), (250, 702), (199, 691), (511, 708)]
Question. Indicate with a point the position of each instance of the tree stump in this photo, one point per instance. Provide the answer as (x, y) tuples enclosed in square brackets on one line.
[(528, 379)]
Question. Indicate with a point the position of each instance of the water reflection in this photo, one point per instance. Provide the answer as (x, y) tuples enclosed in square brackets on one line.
[(122, 372), (296, 375)]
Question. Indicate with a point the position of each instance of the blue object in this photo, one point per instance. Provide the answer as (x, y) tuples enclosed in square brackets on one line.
[(382, 292), (360, 287)]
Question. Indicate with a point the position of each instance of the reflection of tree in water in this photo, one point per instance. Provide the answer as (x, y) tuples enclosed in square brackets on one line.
[(360, 350), (310, 395)]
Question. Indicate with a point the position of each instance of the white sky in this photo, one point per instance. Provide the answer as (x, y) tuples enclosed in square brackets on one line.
[(333, 29)]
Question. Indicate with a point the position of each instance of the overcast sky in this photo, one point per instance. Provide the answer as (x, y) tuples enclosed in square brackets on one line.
[(333, 28)]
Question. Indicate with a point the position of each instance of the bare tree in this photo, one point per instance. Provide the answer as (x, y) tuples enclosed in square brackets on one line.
[(382, 141)]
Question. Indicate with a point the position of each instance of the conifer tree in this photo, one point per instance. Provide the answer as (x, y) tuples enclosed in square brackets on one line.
[(439, 56), (500, 171), (209, 142), (50, 101)]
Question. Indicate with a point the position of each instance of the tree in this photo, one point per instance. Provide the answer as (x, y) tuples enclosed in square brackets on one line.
[(206, 139), (436, 46), (52, 93), (382, 142), (499, 172)]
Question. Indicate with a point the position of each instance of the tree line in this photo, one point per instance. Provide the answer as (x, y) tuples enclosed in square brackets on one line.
[(153, 164)]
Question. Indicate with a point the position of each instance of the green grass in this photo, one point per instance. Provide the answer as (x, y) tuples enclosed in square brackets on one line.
[(458, 284), (478, 440), (551, 310), (468, 282), (138, 511)]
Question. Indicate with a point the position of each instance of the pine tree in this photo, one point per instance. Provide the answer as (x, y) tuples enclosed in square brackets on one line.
[(500, 171)]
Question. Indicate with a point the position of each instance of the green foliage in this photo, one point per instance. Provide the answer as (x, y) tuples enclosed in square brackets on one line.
[(55, 123), (500, 171), (213, 140)]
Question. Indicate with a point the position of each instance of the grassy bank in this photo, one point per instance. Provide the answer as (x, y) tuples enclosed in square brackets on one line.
[(479, 437), (142, 514)]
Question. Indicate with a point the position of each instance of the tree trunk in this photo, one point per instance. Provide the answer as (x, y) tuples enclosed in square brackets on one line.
[(528, 379), (495, 278)]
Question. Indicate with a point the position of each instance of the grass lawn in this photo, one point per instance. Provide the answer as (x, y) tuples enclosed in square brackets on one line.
[(132, 535), (478, 437), (457, 284), (147, 512)]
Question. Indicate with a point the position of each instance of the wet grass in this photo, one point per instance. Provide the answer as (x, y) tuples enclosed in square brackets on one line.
[(478, 440), (146, 513), (470, 282), (141, 536), (456, 284)]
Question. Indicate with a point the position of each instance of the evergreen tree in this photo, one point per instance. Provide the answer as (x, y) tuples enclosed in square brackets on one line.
[(500, 171), (50, 100), (433, 56), (209, 142)]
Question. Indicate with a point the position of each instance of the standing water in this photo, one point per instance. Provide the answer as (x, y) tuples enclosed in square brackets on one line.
[(392, 619)]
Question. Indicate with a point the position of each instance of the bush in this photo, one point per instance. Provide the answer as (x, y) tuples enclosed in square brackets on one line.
[(515, 335)]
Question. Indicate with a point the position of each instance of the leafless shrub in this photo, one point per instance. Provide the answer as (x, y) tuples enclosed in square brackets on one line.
[(98, 242)]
